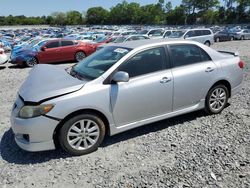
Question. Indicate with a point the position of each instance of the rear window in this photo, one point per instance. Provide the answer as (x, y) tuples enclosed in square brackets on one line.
[(206, 32), (186, 54), (67, 43)]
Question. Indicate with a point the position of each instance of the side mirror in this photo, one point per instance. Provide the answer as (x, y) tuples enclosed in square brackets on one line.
[(43, 48), (120, 77)]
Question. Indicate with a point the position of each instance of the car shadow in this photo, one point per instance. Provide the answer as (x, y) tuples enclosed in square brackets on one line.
[(16, 67), (1, 68), (10, 152), (153, 127)]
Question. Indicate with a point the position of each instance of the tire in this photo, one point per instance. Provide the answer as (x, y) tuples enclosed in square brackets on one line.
[(231, 38), (79, 56), (31, 62), (207, 43), (217, 39), (242, 38), (216, 102), (82, 134)]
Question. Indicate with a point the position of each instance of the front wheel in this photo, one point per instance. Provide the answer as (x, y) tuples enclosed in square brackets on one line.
[(31, 62), (82, 134), (217, 99), (79, 56)]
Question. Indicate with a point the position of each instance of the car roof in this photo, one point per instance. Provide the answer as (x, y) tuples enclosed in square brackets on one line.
[(151, 42)]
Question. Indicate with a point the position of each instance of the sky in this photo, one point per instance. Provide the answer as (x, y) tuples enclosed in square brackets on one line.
[(46, 7)]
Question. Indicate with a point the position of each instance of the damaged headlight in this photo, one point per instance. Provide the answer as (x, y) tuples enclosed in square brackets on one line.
[(34, 111)]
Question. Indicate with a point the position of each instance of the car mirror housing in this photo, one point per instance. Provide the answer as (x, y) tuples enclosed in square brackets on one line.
[(43, 48), (120, 77)]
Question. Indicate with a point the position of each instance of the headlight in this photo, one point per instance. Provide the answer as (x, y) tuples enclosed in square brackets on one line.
[(34, 111)]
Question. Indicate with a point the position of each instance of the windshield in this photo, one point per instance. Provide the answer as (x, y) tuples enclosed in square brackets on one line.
[(98, 63), (177, 34)]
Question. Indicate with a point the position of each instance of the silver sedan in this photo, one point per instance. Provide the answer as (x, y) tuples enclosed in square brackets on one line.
[(120, 87)]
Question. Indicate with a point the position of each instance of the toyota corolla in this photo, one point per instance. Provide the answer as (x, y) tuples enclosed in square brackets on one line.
[(120, 87)]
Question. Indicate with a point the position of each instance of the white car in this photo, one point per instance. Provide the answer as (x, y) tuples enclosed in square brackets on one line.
[(3, 57)]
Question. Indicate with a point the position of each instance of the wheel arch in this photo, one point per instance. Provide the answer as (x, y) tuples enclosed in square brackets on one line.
[(223, 82), (78, 112)]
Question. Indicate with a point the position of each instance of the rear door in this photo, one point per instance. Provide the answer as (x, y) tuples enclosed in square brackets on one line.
[(193, 72), (68, 50), (51, 52)]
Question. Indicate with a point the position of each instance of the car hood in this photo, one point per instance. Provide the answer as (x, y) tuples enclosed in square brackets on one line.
[(48, 81)]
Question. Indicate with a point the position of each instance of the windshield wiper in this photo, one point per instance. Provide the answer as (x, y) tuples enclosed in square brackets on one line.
[(75, 74)]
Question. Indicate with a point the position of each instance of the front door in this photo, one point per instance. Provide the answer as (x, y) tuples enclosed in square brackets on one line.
[(149, 91), (51, 53)]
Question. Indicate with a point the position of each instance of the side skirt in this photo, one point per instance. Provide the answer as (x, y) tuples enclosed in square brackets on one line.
[(116, 130)]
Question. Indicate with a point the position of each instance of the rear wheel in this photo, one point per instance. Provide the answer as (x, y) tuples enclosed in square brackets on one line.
[(242, 38), (231, 38), (79, 56), (82, 134), (217, 39), (217, 99), (31, 62)]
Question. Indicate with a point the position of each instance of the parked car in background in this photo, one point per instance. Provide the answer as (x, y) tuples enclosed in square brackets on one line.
[(204, 36), (3, 57), (167, 33), (5, 45), (53, 50), (111, 91), (241, 34), (130, 38), (153, 33), (224, 35)]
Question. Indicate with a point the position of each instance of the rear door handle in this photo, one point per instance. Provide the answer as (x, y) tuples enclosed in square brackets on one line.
[(165, 80), (209, 69)]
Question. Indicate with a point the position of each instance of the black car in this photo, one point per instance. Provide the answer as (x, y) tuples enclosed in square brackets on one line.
[(223, 36)]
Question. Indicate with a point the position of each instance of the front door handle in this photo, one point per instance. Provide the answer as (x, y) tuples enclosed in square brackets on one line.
[(165, 80), (209, 69)]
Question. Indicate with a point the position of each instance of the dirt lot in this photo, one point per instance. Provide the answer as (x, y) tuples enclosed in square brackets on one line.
[(192, 150)]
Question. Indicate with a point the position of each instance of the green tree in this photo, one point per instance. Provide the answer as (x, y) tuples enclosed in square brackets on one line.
[(59, 18), (74, 18), (97, 15)]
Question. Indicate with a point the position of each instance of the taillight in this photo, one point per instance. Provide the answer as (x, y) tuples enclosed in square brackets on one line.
[(1, 52), (241, 64)]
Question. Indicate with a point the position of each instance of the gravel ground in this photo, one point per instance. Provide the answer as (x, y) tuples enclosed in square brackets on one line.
[(192, 150)]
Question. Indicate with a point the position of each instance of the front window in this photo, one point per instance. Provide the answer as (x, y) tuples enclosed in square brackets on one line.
[(145, 62), (98, 63)]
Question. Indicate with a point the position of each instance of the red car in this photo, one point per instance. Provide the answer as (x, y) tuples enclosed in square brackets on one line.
[(51, 51)]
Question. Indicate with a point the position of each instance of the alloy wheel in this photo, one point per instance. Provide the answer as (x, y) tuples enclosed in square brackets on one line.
[(83, 134), (80, 56), (217, 99), (31, 62)]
